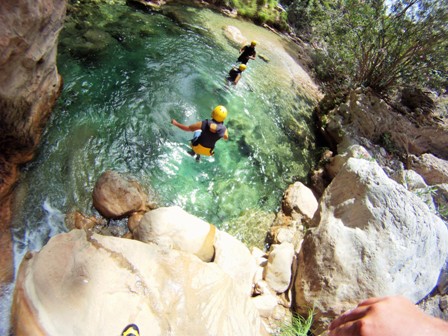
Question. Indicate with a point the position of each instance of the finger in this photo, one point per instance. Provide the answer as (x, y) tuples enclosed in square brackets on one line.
[(349, 316), (348, 329), (372, 300)]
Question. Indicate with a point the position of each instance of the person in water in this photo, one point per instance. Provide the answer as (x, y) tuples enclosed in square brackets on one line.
[(206, 132), (235, 74), (247, 52)]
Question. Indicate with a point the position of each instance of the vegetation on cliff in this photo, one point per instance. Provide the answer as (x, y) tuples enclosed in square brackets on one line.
[(377, 44), (268, 12)]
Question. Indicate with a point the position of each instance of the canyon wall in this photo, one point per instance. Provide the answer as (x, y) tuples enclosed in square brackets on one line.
[(29, 87)]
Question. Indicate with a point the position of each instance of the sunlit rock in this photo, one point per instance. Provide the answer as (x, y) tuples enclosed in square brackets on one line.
[(278, 270), (433, 169), (367, 115), (235, 259), (336, 162), (373, 238), (116, 196), (300, 201), (174, 228), (409, 179), (298, 207), (82, 284), (265, 304)]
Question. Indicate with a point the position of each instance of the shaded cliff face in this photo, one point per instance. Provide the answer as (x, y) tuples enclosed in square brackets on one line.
[(29, 86)]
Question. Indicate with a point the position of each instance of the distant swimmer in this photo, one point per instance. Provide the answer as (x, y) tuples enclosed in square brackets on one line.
[(235, 74), (247, 52), (206, 132)]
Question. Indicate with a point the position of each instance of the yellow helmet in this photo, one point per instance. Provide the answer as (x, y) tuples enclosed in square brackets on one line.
[(242, 67), (219, 113), (253, 43)]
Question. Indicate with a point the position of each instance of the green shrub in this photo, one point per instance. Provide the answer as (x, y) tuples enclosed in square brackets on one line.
[(299, 326)]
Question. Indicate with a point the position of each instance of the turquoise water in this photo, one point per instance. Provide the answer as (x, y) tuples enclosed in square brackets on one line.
[(127, 73)]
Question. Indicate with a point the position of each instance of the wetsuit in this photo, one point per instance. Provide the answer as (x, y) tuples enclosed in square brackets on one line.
[(247, 52), (233, 74), (212, 131)]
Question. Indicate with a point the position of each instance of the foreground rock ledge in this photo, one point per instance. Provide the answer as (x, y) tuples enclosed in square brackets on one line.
[(373, 238), (81, 284)]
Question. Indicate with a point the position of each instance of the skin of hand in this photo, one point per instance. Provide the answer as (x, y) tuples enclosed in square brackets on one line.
[(387, 316), (190, 128)]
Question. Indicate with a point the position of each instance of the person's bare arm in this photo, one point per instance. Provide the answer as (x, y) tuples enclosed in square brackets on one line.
[(226, 135), (190, 128), (237, 79), (387, 316)]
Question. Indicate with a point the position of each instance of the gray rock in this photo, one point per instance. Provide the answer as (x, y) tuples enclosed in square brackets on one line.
[(409, 179), (373, 238), (430, 167)]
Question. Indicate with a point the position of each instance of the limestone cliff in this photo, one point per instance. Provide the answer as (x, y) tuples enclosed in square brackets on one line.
[(29, 86)]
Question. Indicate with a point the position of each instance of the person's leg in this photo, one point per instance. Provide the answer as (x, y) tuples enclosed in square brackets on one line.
[(196, 136)]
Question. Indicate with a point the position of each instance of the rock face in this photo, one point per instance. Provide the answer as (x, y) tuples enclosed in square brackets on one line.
[(82, 284), (29, 86), (115, 196), (372, 238), (366, 115), (430, 167)]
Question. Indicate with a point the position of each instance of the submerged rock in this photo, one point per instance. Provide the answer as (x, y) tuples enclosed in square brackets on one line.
[(234, 36)]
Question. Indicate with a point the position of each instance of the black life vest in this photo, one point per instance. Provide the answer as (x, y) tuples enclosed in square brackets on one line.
[(247, 51), (233, 74), (208, 138)]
